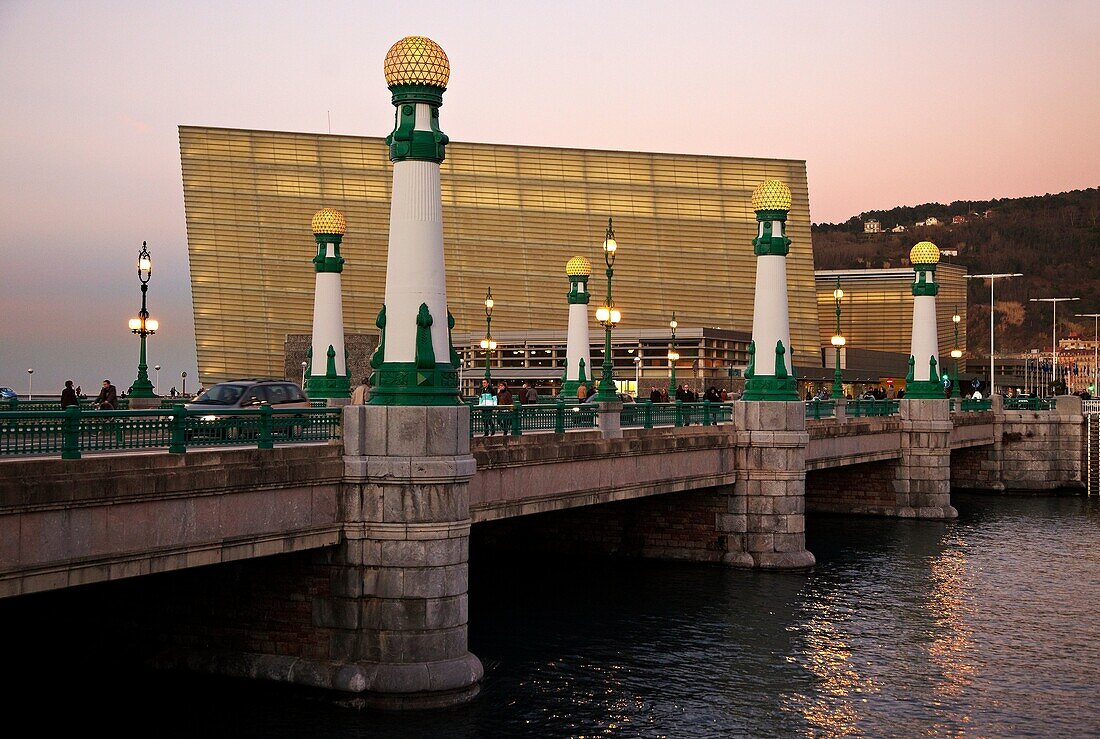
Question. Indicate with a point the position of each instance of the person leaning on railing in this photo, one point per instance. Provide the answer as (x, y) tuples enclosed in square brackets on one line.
[(107, 400), (68, 395)]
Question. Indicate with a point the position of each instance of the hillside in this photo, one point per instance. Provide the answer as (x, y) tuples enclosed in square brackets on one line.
[(1052, 239)]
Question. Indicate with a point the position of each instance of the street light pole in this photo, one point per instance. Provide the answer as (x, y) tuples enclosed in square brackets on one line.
[(30, 383), (156, 390), (1095, 349), (608, 316), (956, 354), (304, 365), (1054, 336), (673, 356), (143, 326), (838, 341), (487, 343), (992, 280)]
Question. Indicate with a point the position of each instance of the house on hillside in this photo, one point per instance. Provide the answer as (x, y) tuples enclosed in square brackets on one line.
[(898, 229), (871, 226), (949, 252), (930, 221), (956, 220)]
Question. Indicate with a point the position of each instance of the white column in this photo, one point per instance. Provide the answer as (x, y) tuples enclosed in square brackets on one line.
[(577, 345), (770, 321), (925, 341), (328, 323)]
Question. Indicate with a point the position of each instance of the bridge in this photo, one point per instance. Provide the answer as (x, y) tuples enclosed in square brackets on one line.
[(376, 525)]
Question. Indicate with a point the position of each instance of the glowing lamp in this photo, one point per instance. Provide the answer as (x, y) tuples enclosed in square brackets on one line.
[(135, 324), (838, 340)]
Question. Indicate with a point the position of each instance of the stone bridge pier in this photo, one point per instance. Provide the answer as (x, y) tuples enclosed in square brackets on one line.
[(911, 478)]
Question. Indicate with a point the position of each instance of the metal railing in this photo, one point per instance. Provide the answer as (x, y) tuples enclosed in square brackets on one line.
[(869, 408), (820, 409), (513, 420), (969, 405), (1091, 405), (1029, 404), (74, 430)]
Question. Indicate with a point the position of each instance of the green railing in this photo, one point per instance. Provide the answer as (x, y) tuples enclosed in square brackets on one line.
[(969, 405), (1029, 404), (869, 408), (34, 406), (513, 420), (820, 409), (74, 431)]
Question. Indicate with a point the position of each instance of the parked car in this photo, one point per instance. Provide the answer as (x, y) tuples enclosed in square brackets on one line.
[(6, 393), (240, 395)]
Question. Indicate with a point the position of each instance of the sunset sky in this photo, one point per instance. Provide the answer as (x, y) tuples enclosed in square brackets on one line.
[(889, 104)]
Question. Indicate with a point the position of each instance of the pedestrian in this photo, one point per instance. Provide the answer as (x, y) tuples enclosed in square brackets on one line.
[(487, 400), (530, 395), (361, 393), (107, 400), (174, 392), (724, 395), (582, 393), (79, 394), (655, 395), (68, 395), (504, 395)]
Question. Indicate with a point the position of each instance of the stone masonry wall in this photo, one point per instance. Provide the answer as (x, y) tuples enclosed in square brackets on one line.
[(858, 488), (679, 526)]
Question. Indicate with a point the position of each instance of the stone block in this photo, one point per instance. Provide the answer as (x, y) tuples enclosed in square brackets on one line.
[(790, 542), (732, 523), (755, 542), (795, 560), (407, 432), (446, 612)]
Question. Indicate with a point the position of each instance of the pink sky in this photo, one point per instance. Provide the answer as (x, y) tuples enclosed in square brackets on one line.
[(889, 103)]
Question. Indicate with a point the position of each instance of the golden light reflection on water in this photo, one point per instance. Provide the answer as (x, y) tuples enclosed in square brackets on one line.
[(831, 710), (952, 647)]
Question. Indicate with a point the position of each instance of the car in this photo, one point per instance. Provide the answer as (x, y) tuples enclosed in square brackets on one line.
[(243, 395), (6, 393)]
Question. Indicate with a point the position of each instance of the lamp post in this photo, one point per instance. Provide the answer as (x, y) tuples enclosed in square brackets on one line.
[(992, 280), (183, 383), (30, 383), (838, 342), (1054, 336), (304, 366), (608, 316), (1095, 349), (143, 326), (156, 390), (487, 343), (956, 353), (673, 356)]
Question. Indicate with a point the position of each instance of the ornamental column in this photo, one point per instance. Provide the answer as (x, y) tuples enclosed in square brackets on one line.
[(399, 596), (770, 374), (578, 358), (923, 378), (415, 363), (327, 374)]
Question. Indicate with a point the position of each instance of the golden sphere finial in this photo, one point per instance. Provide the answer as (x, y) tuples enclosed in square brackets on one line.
[(329, 221), (578, 266), (925, 252), (417, 60), (771, 195)]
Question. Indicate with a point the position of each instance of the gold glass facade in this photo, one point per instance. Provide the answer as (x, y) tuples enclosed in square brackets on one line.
[(877, 309), (513, 216)]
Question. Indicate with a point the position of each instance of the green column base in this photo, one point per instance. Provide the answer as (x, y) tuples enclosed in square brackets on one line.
[(771, 388), (402, 383), (142, 388), (328, 387), (924, 390)]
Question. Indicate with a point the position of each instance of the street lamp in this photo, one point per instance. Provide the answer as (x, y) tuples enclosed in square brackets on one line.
[(992, 280), (1054, 335), (608, 316), (487, 343), (956, 352), (143, 326), (304, 365), (157, 389), (837, 341), (673, 356), (30, 383), (1095, 347), (183, 383)]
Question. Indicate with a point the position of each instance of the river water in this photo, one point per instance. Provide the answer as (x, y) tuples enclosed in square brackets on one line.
[(983, 627)]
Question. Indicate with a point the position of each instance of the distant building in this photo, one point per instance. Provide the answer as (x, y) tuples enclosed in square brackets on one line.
[(872, 226), (988, 213), (898, 229), (956, 220), (949, 252), (930, 221)]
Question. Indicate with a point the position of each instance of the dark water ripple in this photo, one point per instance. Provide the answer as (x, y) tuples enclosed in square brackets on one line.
[(986, 627)]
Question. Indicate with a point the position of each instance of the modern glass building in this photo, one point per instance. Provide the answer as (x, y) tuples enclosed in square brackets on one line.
[(513, 216), (877, 310)]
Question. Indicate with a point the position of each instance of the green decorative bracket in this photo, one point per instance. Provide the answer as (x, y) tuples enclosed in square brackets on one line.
[(456, 360), (912, 370), (780, 364), (750, 371), (324, 263), (406, 141), (768, 244), (379, 355), (575, 296), (309, 362), (425, 352), (580, 371)]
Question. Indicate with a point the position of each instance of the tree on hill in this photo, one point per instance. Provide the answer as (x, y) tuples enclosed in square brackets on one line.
[(1052, 239)]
